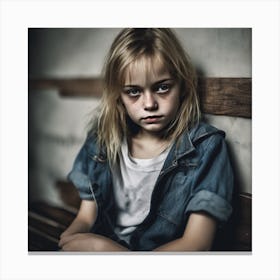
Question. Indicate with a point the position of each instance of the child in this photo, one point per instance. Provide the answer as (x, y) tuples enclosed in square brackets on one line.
[(151, 176)]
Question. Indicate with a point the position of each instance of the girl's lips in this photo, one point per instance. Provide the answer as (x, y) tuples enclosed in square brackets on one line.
[(151, 119)]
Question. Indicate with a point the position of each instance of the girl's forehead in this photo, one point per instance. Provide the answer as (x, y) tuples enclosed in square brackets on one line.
[(146, 70)]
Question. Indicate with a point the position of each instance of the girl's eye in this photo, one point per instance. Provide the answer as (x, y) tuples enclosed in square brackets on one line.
[(133, 92), (163, 88)]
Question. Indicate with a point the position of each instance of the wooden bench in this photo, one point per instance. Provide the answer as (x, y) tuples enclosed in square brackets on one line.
[(220, 96), (46, 222)]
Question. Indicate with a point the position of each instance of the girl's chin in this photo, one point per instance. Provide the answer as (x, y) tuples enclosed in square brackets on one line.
[(152, 128)]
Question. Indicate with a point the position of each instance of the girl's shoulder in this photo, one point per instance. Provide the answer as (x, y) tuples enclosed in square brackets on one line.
[(203, 130), (91, 144)]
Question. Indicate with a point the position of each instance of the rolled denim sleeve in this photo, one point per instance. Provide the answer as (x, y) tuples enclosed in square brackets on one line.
[(79, 175), (213, 182)]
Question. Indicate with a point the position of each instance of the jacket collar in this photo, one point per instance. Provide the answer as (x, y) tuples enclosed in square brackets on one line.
[(186, 143), (182, 147)]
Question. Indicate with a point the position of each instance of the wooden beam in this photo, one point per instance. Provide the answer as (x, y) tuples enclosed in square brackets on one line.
[(218, 96), (226, 96), (81, 87)]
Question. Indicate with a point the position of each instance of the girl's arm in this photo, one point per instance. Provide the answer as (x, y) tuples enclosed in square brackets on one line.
[(198, 236), (90, 242), (84, 220), (77, 237)]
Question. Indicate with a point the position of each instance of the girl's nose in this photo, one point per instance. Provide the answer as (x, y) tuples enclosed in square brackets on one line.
[(149, 101)]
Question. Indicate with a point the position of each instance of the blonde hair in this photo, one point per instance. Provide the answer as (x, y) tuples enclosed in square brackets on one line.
[(130, 45)]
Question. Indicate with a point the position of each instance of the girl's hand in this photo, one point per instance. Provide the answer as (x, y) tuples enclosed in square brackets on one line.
[(89, 242), (81, 242)]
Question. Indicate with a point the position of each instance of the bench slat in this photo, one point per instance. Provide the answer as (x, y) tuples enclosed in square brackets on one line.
[(37, 241), (55, 213)]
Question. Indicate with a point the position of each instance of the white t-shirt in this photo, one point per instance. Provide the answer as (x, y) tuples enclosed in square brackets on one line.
[(133, 183)]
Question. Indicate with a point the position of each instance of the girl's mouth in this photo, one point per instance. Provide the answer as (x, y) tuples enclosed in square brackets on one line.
[(151, 119)]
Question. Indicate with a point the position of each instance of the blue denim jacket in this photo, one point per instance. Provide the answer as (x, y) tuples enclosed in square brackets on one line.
[(196, 176)]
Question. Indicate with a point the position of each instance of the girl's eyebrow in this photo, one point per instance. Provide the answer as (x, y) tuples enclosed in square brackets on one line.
[(163, 81), (131, 86), (155, 83)]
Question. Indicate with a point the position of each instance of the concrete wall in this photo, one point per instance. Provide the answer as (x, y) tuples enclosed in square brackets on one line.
[(57, 125)]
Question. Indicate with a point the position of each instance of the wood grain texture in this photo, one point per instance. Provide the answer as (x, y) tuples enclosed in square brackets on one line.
[(226, 96), (80, 87), (218, 96)]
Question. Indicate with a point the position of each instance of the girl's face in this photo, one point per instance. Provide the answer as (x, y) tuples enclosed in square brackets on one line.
[(150, 95)]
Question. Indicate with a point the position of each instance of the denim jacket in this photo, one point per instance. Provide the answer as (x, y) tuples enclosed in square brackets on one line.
[(196, 176)]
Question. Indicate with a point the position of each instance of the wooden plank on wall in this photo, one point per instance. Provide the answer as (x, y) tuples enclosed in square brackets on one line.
[(80, 87), (226, 96), (219, 96)]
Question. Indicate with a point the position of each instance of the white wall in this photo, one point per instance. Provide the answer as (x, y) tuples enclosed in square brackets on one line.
[(57, 125), (220, 52)]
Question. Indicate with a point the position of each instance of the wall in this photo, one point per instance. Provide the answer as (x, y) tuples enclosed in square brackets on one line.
[(57, 126)]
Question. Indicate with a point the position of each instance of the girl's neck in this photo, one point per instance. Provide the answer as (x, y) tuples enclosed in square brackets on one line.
[(146, 145)]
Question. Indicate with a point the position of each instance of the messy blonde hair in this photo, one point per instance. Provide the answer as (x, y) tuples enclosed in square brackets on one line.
[(130, 45)]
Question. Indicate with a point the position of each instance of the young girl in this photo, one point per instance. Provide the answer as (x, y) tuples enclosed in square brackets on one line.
[(151, 176)]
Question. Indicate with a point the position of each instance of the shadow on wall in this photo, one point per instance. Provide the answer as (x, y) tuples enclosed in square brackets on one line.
[(57, 129)]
